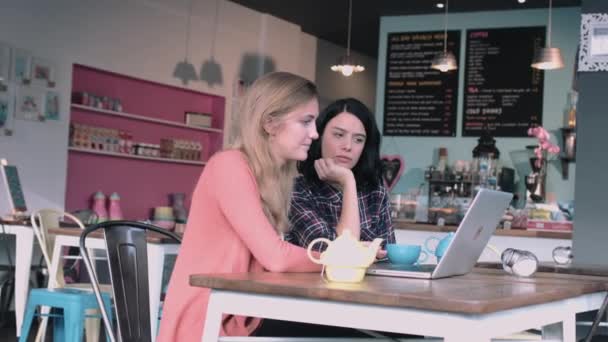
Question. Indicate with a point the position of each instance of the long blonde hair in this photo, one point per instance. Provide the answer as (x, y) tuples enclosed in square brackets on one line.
[(268, 100)]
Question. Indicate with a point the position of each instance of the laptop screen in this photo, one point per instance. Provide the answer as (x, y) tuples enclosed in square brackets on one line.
[(10, 176)]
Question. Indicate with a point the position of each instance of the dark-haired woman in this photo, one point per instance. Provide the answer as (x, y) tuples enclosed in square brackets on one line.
[(340, 186)]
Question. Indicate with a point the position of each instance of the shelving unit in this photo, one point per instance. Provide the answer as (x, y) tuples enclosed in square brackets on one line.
[(133, 156), (144, 118), (151, 111)]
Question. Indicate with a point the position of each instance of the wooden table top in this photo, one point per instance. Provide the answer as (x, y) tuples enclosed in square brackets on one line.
[(481, 291), (551, 267), (427, 227), (151, 237)]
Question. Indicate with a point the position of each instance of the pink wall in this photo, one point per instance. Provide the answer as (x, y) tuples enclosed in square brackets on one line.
[(142, 184)]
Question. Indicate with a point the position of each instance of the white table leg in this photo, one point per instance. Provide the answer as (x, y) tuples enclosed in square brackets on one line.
[(156, 262), (561, 331), (213, 321), (24, 241)]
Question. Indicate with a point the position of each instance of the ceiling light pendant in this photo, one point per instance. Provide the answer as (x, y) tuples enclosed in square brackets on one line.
[(184, 70), (345, 64), (548, 58), (445, 60)]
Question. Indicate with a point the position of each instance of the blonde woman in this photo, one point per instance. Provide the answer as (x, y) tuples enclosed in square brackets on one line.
[(237, 215)]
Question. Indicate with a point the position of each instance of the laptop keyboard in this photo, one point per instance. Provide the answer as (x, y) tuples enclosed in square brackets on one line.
[(397, 267)]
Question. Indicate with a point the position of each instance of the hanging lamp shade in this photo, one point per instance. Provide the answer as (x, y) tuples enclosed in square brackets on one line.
[(548, 58), (444, 62), (347, 66), (185, 71)]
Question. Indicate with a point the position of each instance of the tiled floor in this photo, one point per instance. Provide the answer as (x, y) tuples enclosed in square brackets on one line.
[(7, 330)]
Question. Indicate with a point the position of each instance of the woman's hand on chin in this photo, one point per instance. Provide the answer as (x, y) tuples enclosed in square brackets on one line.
[(329, 171)]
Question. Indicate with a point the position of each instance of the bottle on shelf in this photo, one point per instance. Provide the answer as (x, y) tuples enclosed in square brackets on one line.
[(179, 209), (442, 164), (571, 122), (99, 206), (114, 207)]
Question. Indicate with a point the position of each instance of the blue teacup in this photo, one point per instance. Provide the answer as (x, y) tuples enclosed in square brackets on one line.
[(405, 254)]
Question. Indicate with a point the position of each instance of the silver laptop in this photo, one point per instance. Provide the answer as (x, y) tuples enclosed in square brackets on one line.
[(473, 234), (10, 177)]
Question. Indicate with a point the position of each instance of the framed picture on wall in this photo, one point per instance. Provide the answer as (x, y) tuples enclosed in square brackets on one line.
[(6, 112), (51, 105), (5, 63), (43, 72), (21, 66), (30, 103), (593, 52)]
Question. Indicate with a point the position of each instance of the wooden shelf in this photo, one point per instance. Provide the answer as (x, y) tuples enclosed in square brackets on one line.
[(406, 225), (151, 111), (132, 156), (144, 118)]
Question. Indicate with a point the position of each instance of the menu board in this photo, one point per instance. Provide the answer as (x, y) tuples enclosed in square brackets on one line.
[(502, 92), (418, 100)]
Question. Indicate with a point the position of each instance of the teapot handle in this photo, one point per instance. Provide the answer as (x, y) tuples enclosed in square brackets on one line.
[(309, 250), (429, 240)]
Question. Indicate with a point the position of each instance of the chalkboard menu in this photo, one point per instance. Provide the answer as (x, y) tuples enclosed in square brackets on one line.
[(418, 100), (502, 93)]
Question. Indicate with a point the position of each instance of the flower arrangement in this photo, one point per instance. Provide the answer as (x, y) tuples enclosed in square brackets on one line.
[(544, 144)]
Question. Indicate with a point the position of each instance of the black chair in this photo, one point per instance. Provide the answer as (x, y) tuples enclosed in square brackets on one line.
[(596, 322), (128, 259)]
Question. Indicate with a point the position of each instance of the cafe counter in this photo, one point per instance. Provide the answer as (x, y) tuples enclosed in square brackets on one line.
[(427, 227), (541, 243)]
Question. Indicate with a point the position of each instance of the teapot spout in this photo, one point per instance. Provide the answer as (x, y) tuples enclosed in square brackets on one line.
[(373, 248)]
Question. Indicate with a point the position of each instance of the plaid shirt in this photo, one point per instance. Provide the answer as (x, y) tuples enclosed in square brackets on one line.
[(316, 207)]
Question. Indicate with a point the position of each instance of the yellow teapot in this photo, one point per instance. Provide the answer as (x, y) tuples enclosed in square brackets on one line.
[(345, 259)]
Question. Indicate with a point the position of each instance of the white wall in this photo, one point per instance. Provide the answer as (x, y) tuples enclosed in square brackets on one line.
[(142, 38)]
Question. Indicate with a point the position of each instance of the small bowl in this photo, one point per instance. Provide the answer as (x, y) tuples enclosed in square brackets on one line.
[(405, 254), (165, 224)]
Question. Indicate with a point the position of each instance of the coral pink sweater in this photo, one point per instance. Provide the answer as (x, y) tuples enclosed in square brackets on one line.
[(227, 232)]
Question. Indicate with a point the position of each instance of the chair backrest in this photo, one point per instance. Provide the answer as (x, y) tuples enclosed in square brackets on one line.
[(128, 263), (41, 221)]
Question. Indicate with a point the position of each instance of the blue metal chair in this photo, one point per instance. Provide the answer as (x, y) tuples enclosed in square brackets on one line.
[(126, 246), (69, 325), (74, 302)]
